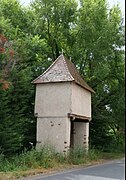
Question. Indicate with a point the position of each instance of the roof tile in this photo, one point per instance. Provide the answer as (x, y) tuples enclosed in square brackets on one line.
[(62, 70)]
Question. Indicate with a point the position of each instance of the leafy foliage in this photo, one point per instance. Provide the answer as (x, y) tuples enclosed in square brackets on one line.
[(31, 38)]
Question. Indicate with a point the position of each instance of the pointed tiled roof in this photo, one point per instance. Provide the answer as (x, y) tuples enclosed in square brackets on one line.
[(62, 70)]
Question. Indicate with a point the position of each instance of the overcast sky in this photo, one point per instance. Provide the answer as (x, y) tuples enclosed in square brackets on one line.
[(111, 2)]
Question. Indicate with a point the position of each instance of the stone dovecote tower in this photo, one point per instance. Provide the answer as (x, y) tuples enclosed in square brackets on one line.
[(62, 107)]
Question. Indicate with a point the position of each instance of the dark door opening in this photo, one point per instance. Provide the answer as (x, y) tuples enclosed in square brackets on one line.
[(72, 135)]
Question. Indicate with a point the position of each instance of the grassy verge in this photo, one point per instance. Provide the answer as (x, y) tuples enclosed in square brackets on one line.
[(47, 160)]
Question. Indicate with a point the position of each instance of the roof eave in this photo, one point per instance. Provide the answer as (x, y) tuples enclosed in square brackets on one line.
[(88, 89)]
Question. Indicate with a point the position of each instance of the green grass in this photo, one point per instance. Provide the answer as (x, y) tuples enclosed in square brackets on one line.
[(46, 159)]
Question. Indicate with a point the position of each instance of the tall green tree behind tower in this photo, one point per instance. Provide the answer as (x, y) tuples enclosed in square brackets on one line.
[(91, 34), (100, 39), (54, 22)]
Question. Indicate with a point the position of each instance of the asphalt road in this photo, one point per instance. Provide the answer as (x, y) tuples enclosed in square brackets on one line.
[(113, 170)]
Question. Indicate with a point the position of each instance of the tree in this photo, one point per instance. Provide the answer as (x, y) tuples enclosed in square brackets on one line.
[(6, 60), (54, 21), (91, 34), (100, 38), (16, 107)]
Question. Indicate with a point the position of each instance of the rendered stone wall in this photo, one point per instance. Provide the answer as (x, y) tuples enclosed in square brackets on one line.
[(53, 102), (81, 101), (55, 132), (53, 99)]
